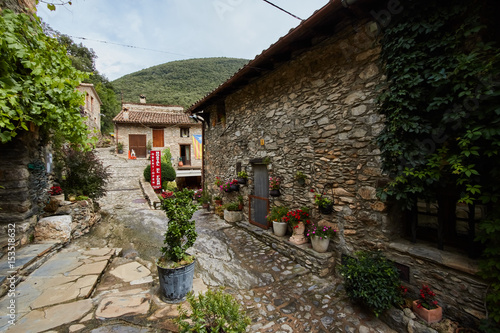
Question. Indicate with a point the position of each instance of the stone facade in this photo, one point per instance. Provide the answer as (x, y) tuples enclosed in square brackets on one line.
[(172, 139), (316, 113), (92, 108)]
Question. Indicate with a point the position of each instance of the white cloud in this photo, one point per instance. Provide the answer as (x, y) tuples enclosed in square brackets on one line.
[(184, 28)]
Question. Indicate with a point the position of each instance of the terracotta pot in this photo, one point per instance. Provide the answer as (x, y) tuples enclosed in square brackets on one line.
[(320, 244), (429, 316)]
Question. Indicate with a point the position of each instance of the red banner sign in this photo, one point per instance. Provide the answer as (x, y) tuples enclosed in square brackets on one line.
[(156, 169)]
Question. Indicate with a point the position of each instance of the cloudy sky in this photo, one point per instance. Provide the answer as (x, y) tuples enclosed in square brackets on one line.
[(161, 31)]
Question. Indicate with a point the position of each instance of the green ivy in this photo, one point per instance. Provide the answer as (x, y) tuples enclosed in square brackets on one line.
[(37, 82), (442, 111)]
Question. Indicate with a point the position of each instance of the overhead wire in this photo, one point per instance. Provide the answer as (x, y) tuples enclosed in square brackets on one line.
[(283, 10), (131, 46)]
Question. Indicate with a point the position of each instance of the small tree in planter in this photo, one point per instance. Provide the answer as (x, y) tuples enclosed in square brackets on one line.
[(176, 266)]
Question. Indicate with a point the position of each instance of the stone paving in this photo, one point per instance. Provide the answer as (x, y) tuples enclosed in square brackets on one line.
[(106, 281)]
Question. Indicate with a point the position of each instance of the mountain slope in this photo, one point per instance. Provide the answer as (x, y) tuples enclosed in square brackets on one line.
[(180, 82)]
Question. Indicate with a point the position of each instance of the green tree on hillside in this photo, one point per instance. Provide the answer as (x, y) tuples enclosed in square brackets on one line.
[(180, 82)]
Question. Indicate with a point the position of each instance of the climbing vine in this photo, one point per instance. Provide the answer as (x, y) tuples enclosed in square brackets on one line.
[(37, 82), (442, 112)]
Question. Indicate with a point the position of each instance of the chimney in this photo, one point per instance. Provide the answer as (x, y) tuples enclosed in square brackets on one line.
[(125, 114), (142, 99)]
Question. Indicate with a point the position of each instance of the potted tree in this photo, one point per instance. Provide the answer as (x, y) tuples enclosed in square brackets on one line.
[(276, 217), (176, 266), (119, 147)]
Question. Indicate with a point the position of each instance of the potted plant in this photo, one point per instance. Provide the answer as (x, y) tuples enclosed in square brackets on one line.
[(232, 213), (149, 146), (298, 219), (217, 200), (426, 307), (205, 200), (242, 177), (320, 237), (276, 217), (57, 193), (176, 266), (214, 311), (181, 163), (325, 205), (235, 187), (226, 187), (119, 147), (300, 177), (274, 186), (217, 182)]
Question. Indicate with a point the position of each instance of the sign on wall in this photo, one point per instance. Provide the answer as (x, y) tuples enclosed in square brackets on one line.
[(156, 169)]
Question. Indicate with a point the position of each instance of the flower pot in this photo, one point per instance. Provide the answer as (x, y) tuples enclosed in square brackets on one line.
[(274, 193), (175, 283), (429, 316), (235, 187), (59, 197), (232, 216), (206, 206), (280, 228), (320, 244), (181, 164), (326, 209), (298, 234), (242, 181)]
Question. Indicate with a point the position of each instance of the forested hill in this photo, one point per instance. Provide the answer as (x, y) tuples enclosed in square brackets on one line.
[(180, 82)]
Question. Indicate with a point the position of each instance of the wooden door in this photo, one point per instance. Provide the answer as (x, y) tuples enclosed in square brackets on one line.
[(137, 142), (259, 202), (158, 137)]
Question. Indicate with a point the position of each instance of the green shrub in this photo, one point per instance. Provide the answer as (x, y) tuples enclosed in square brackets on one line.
[(232, 207), (167, 173), (372, 280), (169, 186), (215, 311), (81, 173)]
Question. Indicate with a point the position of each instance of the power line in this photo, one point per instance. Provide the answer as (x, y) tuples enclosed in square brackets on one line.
[(131, 46), (283, 10)]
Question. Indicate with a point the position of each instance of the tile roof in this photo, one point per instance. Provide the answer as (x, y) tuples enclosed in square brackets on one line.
[(153, 118)]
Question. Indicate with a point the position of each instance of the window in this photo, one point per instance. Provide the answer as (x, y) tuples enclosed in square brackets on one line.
[(446, 223), (158, 137), (185, 132), (185, 154)]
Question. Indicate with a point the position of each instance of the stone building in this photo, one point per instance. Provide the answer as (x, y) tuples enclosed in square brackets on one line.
[(308, 104), (92, 108), (142, 126)]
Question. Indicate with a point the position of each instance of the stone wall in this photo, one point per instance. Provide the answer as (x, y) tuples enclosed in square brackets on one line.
[(317, 114), (24, 183), (172, 138)]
